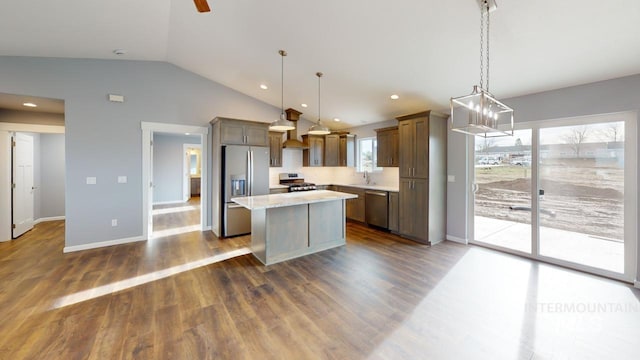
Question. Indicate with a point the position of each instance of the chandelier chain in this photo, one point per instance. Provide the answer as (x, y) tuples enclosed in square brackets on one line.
[(282, 82), (488, 38), (482, 48)]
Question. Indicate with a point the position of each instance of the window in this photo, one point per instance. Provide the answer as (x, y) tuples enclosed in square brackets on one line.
[(368, 155)]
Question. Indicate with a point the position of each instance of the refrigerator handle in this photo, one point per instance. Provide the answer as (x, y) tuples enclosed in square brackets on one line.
[(249, 168), (252, 165)]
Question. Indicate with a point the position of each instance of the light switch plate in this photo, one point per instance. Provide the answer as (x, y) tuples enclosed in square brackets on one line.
[(91, 180), (451, 178), (122, 179)]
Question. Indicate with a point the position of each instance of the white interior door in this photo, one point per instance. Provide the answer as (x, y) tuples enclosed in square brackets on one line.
[(23, 184)]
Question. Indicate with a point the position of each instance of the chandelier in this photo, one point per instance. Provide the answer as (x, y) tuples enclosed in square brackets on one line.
[(480, 113)]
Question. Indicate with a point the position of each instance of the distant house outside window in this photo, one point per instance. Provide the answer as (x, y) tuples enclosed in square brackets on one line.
[(368, 155)]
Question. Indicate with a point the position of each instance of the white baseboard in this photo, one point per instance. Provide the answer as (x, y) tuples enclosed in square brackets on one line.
[(457, 239), (206, 228), (44, 219), (637, 284), (168, 202), (100, 244)]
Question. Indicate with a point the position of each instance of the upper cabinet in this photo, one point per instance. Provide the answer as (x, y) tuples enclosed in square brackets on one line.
[(332, 150), (413, 133), (240, 132), (347, 150), (388, 147), (275, 149), (314, 151), (340, 150)]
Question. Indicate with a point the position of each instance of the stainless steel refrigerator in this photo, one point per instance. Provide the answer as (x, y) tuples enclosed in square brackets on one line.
[(245, 172)]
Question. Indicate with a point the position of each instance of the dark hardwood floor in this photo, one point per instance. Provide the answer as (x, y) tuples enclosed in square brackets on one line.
[(378, 297)]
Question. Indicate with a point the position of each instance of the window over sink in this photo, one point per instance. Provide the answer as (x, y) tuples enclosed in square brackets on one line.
[(368, 155)]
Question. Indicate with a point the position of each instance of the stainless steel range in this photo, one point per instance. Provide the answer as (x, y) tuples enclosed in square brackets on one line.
[(296, 182)]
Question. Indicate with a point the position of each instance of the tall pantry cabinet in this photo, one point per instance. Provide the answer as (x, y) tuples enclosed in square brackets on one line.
[(422, 151)]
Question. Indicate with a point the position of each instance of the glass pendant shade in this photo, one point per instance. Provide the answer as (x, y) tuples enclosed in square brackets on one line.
[(479, 113)]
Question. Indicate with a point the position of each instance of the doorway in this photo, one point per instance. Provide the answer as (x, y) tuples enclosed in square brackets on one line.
[(39, 176), (175, 217), (562, 191), (174, 210)]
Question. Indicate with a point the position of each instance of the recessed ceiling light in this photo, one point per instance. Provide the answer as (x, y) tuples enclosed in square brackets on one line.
[(28, 104), (304, 105), (187, 133), (263, 87), (395, 97), (336, 119), (119, 51)]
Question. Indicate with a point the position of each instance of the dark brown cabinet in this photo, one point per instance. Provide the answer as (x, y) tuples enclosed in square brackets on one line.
[(240, 132), (347, 152), (340, 150), (195, 186), (332, 150), (414, 144), (422, 161), (394, 201), (355, 207), (387, 139), (413, 215), (313, 155), (275, 149)]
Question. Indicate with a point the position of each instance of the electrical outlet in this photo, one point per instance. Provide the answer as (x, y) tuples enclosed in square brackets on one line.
[(122, 179), (91, 180), (114, 222)]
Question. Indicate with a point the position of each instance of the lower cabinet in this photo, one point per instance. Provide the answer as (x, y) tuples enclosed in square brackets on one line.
[(355, 207), (394, 204), (195, 186), (413, 209)]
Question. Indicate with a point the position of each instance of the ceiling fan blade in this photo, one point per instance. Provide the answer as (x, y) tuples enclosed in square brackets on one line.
[(202, 5)]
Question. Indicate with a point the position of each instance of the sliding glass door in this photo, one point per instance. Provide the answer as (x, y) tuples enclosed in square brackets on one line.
[(581, 173), (503, 191), (584, 211)]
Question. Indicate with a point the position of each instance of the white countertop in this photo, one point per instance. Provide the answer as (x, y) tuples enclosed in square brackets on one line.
[(290, 199)]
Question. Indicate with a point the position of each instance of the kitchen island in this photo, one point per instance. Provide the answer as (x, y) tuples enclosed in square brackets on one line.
[(286, 226)]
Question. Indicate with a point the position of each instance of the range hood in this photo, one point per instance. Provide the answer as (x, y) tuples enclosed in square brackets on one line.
[(292, 141)]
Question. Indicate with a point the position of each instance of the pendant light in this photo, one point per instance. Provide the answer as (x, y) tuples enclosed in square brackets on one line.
[(282, 124), (480, 113), (317, 128)]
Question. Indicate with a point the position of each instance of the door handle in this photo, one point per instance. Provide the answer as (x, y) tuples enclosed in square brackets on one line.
[(376, 193)]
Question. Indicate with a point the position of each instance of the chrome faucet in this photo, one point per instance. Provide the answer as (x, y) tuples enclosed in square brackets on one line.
[(367, 177)]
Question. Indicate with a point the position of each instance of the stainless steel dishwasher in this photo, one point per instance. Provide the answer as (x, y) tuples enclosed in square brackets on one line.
[(376, 208)]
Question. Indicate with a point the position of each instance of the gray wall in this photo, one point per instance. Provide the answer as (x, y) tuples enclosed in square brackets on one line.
[(51, 180), (104, 139), (168, 155), (616, 95)]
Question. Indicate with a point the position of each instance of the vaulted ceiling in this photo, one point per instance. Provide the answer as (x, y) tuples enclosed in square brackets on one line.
[(425, 51)]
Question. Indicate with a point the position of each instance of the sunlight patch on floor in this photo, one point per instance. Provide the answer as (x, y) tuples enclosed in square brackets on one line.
[(177, 209), (176, 231), (144, 279)]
